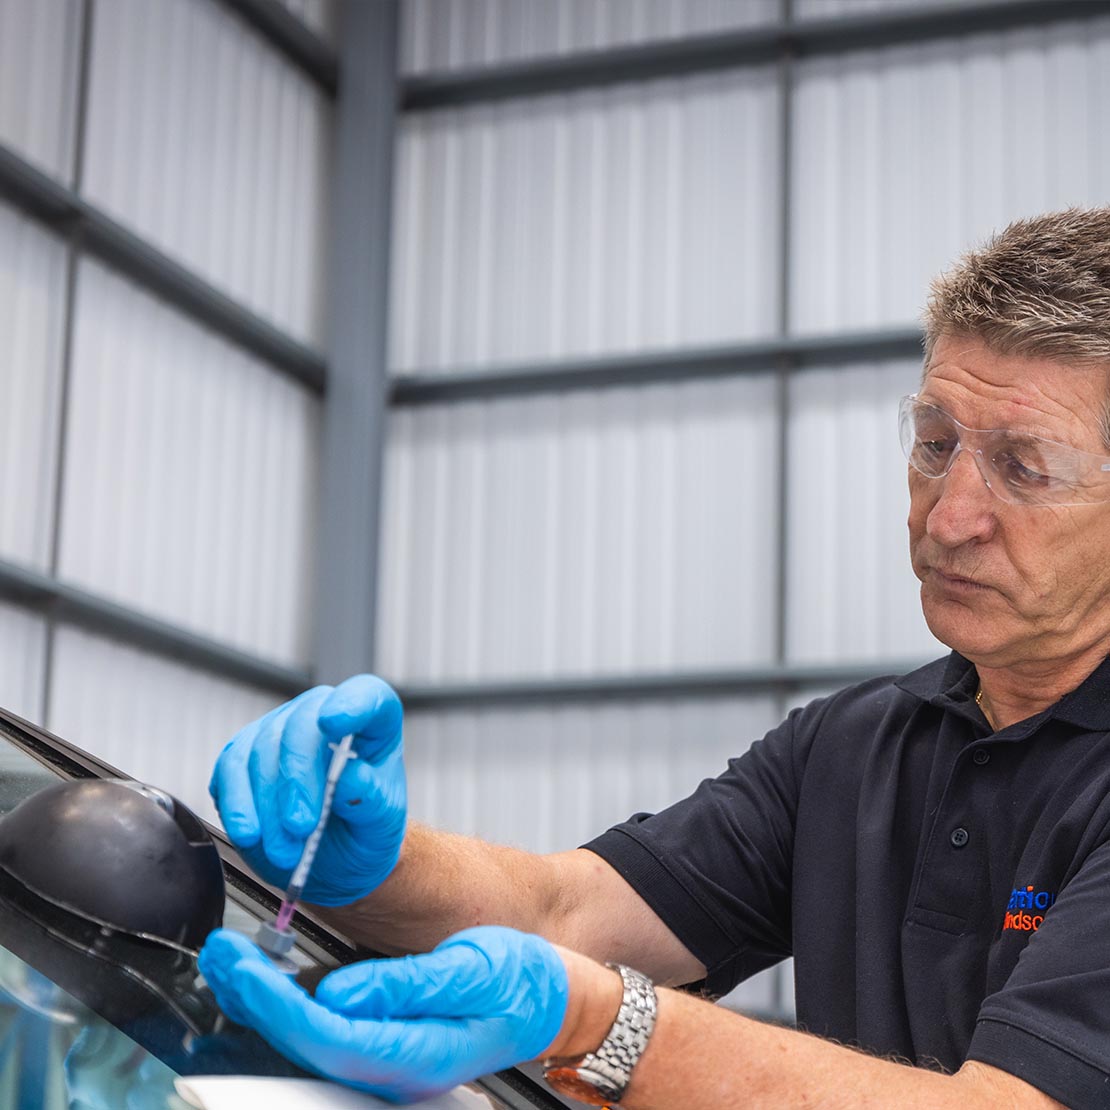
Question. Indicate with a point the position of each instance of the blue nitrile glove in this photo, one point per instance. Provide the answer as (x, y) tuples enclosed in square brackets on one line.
[(268, 785), (402, 1029)]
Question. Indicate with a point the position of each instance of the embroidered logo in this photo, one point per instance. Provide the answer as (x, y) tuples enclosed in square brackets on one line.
[(1026, 909)]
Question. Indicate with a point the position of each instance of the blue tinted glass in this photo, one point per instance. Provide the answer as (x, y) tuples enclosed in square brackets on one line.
[(56, 1053)]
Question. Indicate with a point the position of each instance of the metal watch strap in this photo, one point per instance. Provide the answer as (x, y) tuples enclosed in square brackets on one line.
[(609, 1069)]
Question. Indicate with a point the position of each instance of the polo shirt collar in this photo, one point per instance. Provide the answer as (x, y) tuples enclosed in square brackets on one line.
[(1088, 705), (941, 680), (951, 682)]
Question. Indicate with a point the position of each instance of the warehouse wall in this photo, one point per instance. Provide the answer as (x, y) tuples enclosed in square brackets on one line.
[(631, 530), (642, 530), (144, 458)]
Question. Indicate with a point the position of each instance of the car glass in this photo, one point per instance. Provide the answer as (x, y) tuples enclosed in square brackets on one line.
[(94, 1018), (20, 776)]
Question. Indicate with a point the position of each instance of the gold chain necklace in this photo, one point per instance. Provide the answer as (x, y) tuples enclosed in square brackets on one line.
[(982, 709)]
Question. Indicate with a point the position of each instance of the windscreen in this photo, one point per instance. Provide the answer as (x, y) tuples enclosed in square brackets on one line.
[(96, 1019), (56, 1053)]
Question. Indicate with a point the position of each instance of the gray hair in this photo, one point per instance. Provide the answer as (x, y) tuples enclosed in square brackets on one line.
[(1040, 288)]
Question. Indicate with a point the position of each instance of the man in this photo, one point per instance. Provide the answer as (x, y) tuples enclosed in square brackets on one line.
[(933, 850)]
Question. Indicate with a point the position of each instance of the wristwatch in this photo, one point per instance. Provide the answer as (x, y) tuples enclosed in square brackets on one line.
[(600, 1078)]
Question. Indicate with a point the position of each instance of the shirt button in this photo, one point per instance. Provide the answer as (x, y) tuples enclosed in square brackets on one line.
[(981, 756), (959, 838)]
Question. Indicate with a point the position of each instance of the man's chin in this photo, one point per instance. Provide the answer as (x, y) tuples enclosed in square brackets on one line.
[(960, 627)]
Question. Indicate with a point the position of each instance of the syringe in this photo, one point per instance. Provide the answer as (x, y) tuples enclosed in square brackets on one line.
[(276, 939)]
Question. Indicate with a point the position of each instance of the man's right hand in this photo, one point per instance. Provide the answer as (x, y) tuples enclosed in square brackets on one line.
[(268, 786)]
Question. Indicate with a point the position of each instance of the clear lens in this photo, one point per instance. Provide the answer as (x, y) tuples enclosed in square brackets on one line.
[(930, 437), (1018, 468)]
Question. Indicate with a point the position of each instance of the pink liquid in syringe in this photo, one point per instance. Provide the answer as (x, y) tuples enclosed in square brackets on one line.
[(285, 915)]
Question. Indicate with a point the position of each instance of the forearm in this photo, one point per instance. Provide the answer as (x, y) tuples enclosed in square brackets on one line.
[(705, 1055), (732, 1060), (444, 883)]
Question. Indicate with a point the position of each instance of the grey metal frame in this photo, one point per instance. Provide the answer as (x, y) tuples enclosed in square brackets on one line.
[(757, 356), (73, 258), (790, 355), (780, 678), (674, 57), (358, 382)]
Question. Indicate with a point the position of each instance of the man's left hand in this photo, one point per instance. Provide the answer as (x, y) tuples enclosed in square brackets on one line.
[(408, 1028)]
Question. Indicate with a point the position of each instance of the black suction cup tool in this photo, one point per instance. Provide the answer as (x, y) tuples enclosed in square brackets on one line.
[(126, 856)]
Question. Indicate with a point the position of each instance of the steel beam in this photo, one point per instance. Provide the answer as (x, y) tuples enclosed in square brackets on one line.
[(75, 606), (288, 34), (758, 356), (772, 678), (358, 381), (729, 49), (98, 234)]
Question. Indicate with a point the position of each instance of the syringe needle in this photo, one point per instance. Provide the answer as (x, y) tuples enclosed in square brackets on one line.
[(276, 939)]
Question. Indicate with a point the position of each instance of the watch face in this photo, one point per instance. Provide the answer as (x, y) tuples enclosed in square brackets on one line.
[(573, 1081)]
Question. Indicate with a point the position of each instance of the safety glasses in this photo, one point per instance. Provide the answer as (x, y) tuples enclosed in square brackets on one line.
[(1018, 468)]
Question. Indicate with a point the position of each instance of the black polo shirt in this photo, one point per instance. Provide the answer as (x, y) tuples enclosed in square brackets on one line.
[(944, 891)]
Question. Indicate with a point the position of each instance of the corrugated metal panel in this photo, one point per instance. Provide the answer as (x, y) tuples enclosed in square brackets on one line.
[(191, 474), (155, 720), (621, 530), (547, 779), (211, 145), (460, 33), (317, 14), (851, 593), (32, 299), (22, 655), (905, 156), (639, 216), (38, 80)]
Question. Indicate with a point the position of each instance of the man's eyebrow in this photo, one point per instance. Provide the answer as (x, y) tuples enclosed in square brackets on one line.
[(1036, 431), (1027, 435), (1027, 431)]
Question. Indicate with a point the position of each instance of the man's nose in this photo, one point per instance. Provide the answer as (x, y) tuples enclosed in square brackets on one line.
[(965, 506)]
